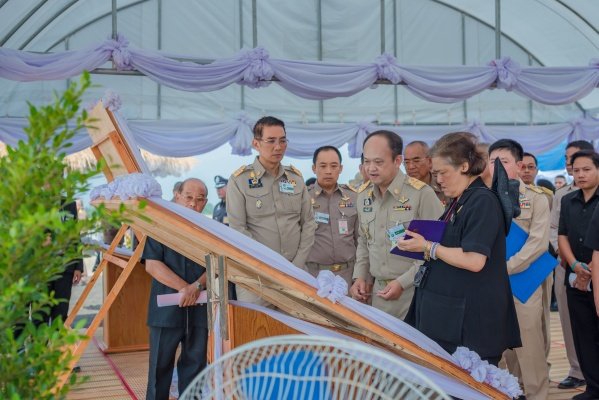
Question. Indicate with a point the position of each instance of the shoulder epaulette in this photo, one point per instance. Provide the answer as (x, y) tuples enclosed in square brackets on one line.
[(535, 189), (363, 187), (239, 171), (348, 186), (295, 170), (415, 183), (545, 190)]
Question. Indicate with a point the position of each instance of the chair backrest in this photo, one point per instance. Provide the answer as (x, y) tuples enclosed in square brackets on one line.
[(114, 143)]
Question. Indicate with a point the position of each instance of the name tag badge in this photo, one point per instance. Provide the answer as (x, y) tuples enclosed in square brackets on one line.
[(321, 218), (286, 187), (343, 228), (395, 233)]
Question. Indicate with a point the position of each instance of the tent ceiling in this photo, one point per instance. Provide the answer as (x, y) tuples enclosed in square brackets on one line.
[(535, 32)]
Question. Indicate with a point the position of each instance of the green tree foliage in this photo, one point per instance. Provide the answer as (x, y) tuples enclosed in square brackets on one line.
[(37, 241)]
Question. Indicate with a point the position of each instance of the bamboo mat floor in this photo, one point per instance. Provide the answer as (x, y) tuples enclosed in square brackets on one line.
[(123, 376)]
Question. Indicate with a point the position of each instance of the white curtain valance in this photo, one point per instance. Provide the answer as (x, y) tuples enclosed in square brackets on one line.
[(317, 80), (188, 138)]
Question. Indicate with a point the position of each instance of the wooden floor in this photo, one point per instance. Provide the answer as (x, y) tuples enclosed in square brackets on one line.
[(123, 376)]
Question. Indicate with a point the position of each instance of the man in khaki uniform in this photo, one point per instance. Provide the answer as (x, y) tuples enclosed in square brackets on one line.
[(528, 362), (361, 177), (269, 202), (418, 165), (575, 377), (384, 210), (336, 215), (528, 174)]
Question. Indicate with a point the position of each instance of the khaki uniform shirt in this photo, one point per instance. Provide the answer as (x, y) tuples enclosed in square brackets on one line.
[(405, 199), (555, 210), (273, 210), (337, 219), (534, 219)]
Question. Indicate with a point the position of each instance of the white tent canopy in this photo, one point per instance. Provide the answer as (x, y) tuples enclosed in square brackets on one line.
[(417, 32)]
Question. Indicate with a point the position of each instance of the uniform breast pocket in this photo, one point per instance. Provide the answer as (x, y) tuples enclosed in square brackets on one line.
[(525, 218), (259, 203), (291, 202)]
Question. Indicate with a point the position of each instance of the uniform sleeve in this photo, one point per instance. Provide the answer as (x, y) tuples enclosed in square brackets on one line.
[(153, 250), (538, 238), (362, 265), (308, 227), (592, 237), (236, 208), (482, 224), (555, 220), (429, 208)]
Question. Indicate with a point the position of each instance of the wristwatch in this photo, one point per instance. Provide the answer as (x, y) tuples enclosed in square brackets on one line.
[(200, 286)]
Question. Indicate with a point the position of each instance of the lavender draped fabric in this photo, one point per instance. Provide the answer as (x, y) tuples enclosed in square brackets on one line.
[(189, 138), (316, 80)]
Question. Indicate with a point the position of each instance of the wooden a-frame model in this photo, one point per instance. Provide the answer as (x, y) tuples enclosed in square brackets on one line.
[(238, 325)]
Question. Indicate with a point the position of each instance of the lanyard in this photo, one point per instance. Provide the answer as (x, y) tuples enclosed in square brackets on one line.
[(450, 211)]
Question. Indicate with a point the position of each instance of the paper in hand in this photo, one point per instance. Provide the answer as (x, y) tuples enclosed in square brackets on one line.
[(173, 299)]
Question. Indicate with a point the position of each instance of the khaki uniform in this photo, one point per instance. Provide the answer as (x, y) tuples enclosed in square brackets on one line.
[(336, 236), (560, 288), (405, 199), (273, 210), (529, 362), (547, 285)]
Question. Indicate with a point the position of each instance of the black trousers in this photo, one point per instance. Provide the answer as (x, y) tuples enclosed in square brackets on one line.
[(163, 349), (585, 332), (62, 291)]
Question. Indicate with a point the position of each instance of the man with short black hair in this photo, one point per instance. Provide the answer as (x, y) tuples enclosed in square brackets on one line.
[(528, 174), (530, 169), (335, 213), (575, 377), (528, 362), (269, 202), (576, 244), (385, 210), (186, 324), (559, 181), (220, 210)]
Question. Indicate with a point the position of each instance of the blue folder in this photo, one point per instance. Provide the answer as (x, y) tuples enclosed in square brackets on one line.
[(526, 282)]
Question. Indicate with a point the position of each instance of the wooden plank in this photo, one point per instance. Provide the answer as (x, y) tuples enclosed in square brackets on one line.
[(94, 278), (247, 325), (115, 260), (78, 349)]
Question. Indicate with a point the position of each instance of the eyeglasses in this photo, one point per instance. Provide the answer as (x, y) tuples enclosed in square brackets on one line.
[(529, 167), (272, 142)]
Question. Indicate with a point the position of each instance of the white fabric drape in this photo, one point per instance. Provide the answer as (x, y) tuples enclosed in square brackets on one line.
[(187, 138)]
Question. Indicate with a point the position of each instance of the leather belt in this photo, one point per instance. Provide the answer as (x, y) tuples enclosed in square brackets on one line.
[(333, 267)]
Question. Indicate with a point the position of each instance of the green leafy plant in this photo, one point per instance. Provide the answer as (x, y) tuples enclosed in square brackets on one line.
[(37, 241)]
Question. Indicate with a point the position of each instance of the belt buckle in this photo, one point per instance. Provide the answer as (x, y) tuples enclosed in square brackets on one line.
[(336, 267)]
